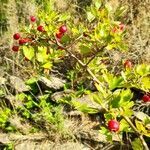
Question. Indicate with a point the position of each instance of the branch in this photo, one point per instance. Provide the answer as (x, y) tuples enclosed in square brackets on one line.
[(137, 132), (99, 50), (97, 80)]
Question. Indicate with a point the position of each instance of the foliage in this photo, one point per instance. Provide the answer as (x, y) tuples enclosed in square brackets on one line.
[(91, 38)]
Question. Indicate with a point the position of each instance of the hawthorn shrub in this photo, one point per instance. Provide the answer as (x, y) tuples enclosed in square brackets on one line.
[(51, 36)]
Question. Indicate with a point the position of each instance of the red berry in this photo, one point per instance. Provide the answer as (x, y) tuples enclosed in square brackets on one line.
[(15, 48), (59, 35), (146, 98), (128, 64), (113, 125), (24, 41), (63, 29), (32, 18), (121, 26), (114, 30), (16, 36), (40, 28)]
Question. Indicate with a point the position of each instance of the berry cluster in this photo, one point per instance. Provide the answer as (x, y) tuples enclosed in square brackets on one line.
[(22, 41), (121, 28), (61, 32)]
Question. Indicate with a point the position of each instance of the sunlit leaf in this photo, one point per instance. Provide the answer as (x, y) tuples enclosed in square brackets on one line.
[(90, 16), (136, 144), (84, 49), (28, 52)]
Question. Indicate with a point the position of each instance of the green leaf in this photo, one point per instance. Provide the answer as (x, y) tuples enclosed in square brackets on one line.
[(120, 11), (97, 3), (21, 96), (121, 98), (142, 128), (126, 96), (101, 89), (47, 65), (84, 107), (127, 112), (136, 144), (64, 17), (32, 82), (146, 82), (116, 82), (41, 55), (108, 116), (65, 39), (96, 98), (115, 102), (107, 133), (143, 69), (90, 16), (124, 126), (28, 52), (84, 49), (108, 7)]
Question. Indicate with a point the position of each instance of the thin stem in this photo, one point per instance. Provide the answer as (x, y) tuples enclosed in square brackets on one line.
[(97, 80), (137, 132), (95, 54)]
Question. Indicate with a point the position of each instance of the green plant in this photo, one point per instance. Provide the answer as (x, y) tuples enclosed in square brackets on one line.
[(91, 38)]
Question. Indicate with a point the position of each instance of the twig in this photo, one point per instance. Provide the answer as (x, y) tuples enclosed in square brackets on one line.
[(97, 80), (137, 132), (99, 50), (79, 61)]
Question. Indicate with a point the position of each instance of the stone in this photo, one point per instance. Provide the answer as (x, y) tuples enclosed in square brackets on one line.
[(18, 84), (53, 83), (2, 81), (39, 142)]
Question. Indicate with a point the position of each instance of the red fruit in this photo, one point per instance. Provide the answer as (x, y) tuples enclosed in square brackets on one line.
[(128, 64), (59, 35), (32, 18), (146, 98), (63, 29), (113, 125), (121, 26), (114, 30), (24, 41), (40, 28), (16, 36), (15, 48)]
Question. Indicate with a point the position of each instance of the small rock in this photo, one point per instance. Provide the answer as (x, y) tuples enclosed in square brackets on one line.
[(53, 83), (2, 81), (58, 95), (18, 84)]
